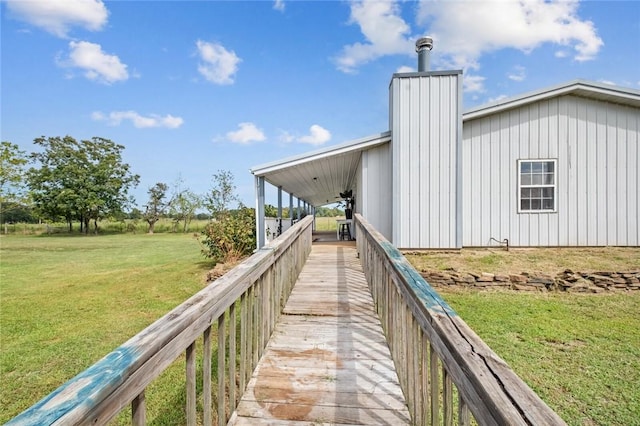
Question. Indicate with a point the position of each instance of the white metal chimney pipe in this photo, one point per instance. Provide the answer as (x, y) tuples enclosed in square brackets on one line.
[(423, 47)]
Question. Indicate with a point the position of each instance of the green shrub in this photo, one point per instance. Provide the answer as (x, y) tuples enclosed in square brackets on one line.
[(231, 236)]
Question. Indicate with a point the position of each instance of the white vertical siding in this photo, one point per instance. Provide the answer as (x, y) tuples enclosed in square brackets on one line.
[(374, 188), (425, 120), (596, 147)]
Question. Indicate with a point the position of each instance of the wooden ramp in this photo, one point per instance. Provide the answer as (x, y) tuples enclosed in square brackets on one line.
[(327, 361)]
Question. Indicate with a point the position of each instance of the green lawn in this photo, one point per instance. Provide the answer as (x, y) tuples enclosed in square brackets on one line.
[(580, 353), (66, 301)]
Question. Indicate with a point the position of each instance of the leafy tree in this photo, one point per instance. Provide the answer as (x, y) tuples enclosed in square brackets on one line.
[(12, 171), (157, 205), (15, 212), (80, 180), (329, 212), (222, 194), (135, 213), (270, 211)]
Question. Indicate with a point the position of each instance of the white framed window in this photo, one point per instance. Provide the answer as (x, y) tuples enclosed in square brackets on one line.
[(537, 186)]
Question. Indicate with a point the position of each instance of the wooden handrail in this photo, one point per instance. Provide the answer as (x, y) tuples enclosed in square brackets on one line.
[(260, 286), (436, 353)]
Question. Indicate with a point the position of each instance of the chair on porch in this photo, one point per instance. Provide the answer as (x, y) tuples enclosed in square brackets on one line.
[(345, 231)]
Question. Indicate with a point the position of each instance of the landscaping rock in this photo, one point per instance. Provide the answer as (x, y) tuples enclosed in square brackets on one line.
[(567, 280), (485, 277)]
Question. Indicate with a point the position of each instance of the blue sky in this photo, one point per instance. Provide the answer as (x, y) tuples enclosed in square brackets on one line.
[(194, 87)]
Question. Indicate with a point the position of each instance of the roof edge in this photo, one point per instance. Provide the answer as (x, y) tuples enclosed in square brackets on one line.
[(349, 146), (625, 95)]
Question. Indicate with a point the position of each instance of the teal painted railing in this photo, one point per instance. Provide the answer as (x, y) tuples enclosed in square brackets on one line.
[(447, 373), (253, 293)]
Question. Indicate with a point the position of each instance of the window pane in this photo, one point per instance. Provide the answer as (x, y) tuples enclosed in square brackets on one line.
[(537, 180), (548, 179), (536, 184), (549, 166)]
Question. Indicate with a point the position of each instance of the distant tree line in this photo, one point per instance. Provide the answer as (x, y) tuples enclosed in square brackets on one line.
[(272, 211), (87, 181)]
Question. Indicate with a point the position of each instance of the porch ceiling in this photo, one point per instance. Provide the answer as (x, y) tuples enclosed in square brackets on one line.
[(320, 176)]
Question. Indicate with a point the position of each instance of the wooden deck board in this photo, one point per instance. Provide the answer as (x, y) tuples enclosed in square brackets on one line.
[(327, 361)]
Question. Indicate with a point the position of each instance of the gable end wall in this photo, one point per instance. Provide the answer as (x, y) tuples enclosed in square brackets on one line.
[(596, 147)]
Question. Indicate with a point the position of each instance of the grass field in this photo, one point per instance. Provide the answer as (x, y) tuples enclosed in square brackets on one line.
[(327, 223), (579, 353), (66, 301)]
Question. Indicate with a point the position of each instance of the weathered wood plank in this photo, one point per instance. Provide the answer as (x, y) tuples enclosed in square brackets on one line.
[(191, 384), (327, 359), (321, 413), (327, 390), (232, 356), (139, 411), (206, 377), (221, 370)]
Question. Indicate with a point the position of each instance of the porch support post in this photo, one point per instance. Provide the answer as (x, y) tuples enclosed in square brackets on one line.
[(260, 231), (298, 211), (291, 208), (313, 211), (279, 220)]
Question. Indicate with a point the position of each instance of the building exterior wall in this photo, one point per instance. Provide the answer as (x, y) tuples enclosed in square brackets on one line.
[(426, 127), (373, 194), (595, 144)]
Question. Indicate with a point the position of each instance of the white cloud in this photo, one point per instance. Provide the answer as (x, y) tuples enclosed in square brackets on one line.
[(473, 83), (97, 65), (115, 118), (405, 68), (279, 5), (463, 32), (286, 137), (246, 133), (218, 65), (385, 31), (57, 17), (518, 74), (317, 136), (497, 98)]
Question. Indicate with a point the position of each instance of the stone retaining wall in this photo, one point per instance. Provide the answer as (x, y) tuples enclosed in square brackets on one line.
[(591, 282)]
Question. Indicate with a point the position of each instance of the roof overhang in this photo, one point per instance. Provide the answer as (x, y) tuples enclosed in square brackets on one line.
[(582, 88), (320, 176)]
